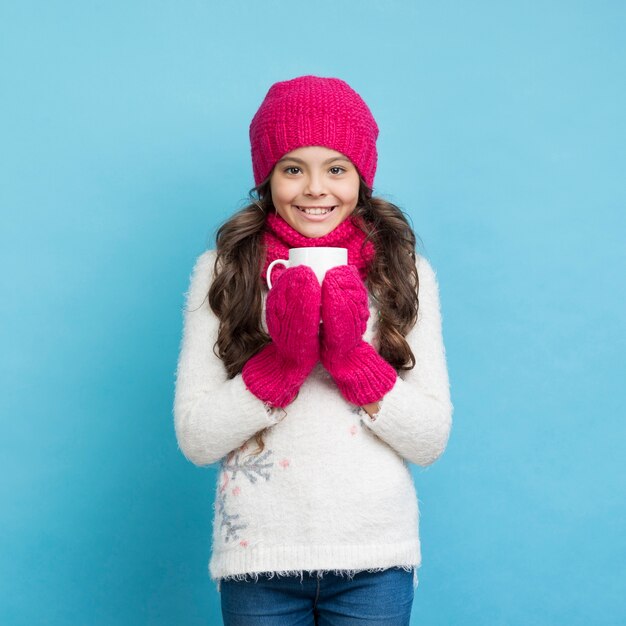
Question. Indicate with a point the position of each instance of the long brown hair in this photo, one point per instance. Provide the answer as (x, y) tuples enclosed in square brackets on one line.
[(235, 294)]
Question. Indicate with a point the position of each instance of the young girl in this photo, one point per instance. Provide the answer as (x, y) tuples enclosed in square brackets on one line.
[(314, 398)]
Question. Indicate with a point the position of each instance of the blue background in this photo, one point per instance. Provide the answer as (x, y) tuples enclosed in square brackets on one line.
[(124, 145)]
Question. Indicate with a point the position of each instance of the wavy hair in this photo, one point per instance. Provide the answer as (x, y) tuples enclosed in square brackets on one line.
[(235, 295)]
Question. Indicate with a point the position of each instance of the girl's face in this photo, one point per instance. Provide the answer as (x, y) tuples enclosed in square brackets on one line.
[(314, 189)]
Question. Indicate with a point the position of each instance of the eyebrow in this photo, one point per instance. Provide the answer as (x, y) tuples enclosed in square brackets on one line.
[(339, 158)]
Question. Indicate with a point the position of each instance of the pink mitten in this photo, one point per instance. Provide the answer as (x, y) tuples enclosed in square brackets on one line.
[(361, 374), (276, 373)]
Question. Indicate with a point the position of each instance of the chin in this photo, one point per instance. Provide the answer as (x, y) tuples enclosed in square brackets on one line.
[(316, 232)]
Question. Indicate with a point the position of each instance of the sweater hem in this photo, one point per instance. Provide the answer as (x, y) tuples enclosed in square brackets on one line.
[(344, 560), (349, 573)]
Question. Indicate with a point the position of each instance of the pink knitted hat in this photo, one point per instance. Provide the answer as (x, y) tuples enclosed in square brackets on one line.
[(313, 111)]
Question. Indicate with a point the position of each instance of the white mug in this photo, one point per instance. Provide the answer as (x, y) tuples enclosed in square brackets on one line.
[(319, 259)]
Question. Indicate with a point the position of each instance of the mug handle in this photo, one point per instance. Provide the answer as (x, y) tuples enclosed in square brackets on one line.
[(269, 269)]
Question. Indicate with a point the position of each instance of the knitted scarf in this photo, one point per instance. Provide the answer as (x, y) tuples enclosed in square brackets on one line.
[(279, 237)]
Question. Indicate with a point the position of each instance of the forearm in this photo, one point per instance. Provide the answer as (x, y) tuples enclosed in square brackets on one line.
[(212, 414), (416, 423), (415, 417), (212, 421)]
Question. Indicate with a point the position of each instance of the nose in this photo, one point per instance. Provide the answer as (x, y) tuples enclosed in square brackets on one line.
[(314, 186)]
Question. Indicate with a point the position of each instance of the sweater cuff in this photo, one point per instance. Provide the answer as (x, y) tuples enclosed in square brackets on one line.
[(391, 404), (414, 423), (264, 414)]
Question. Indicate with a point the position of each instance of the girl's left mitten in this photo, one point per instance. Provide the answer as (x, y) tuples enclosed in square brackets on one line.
[(276, 373), (361, 374)]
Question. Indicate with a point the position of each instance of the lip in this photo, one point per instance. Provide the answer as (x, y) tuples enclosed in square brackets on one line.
[(315, 218)]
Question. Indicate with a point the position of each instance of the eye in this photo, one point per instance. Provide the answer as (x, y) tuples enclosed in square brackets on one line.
[(291, 169), (337, 170)]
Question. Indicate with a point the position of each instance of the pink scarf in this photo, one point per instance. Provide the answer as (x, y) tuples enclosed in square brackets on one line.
[(279, 237)]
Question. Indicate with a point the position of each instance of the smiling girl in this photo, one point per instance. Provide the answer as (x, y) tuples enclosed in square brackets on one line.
[(314, 189), (313, 398)]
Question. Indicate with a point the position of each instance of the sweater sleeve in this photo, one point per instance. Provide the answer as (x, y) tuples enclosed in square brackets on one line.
[(415, 416), (212, 414)]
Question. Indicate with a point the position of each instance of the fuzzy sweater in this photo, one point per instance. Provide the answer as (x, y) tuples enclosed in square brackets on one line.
[(332, 491)]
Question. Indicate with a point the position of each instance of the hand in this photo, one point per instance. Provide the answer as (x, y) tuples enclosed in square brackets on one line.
[(361, 374), (276, 373)]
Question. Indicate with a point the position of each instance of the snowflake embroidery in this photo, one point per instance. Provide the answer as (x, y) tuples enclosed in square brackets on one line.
[(252, 467), (228, 520)]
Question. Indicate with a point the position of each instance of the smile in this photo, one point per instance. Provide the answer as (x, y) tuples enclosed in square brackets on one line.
[(315, 210)]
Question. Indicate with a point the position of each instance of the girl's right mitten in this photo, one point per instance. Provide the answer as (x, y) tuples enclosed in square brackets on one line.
[(276, 373)]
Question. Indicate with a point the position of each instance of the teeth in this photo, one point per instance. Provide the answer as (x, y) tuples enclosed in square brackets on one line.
[(315, 211)]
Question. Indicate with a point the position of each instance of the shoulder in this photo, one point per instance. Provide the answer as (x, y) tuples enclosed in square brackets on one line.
[(425, 271), (422, 263), (428, 289), (205, 260), (204, 266), (201, 277), (429, 310)]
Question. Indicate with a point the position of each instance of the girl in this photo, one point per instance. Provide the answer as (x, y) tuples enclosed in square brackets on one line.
[(312, 397)]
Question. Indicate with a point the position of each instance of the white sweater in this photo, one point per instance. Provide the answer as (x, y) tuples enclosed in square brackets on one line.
[(332, 490)]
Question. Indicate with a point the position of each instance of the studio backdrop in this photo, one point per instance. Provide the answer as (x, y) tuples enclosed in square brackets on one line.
[(123, 147)]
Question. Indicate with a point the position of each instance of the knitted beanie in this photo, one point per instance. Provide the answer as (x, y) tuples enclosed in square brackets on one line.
[(313, 111)]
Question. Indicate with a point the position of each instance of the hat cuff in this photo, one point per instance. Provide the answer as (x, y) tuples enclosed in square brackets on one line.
[(273, 143)]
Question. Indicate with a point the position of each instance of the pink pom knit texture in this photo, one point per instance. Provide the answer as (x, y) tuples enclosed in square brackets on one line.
[(313, 111), (276, 373), (361, 374)]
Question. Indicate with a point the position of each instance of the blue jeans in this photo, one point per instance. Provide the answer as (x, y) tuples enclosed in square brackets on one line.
[(381, 598)]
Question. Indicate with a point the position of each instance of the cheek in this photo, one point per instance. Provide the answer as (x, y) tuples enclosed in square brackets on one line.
[(350, 191), (283, 193), (350, 197)]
